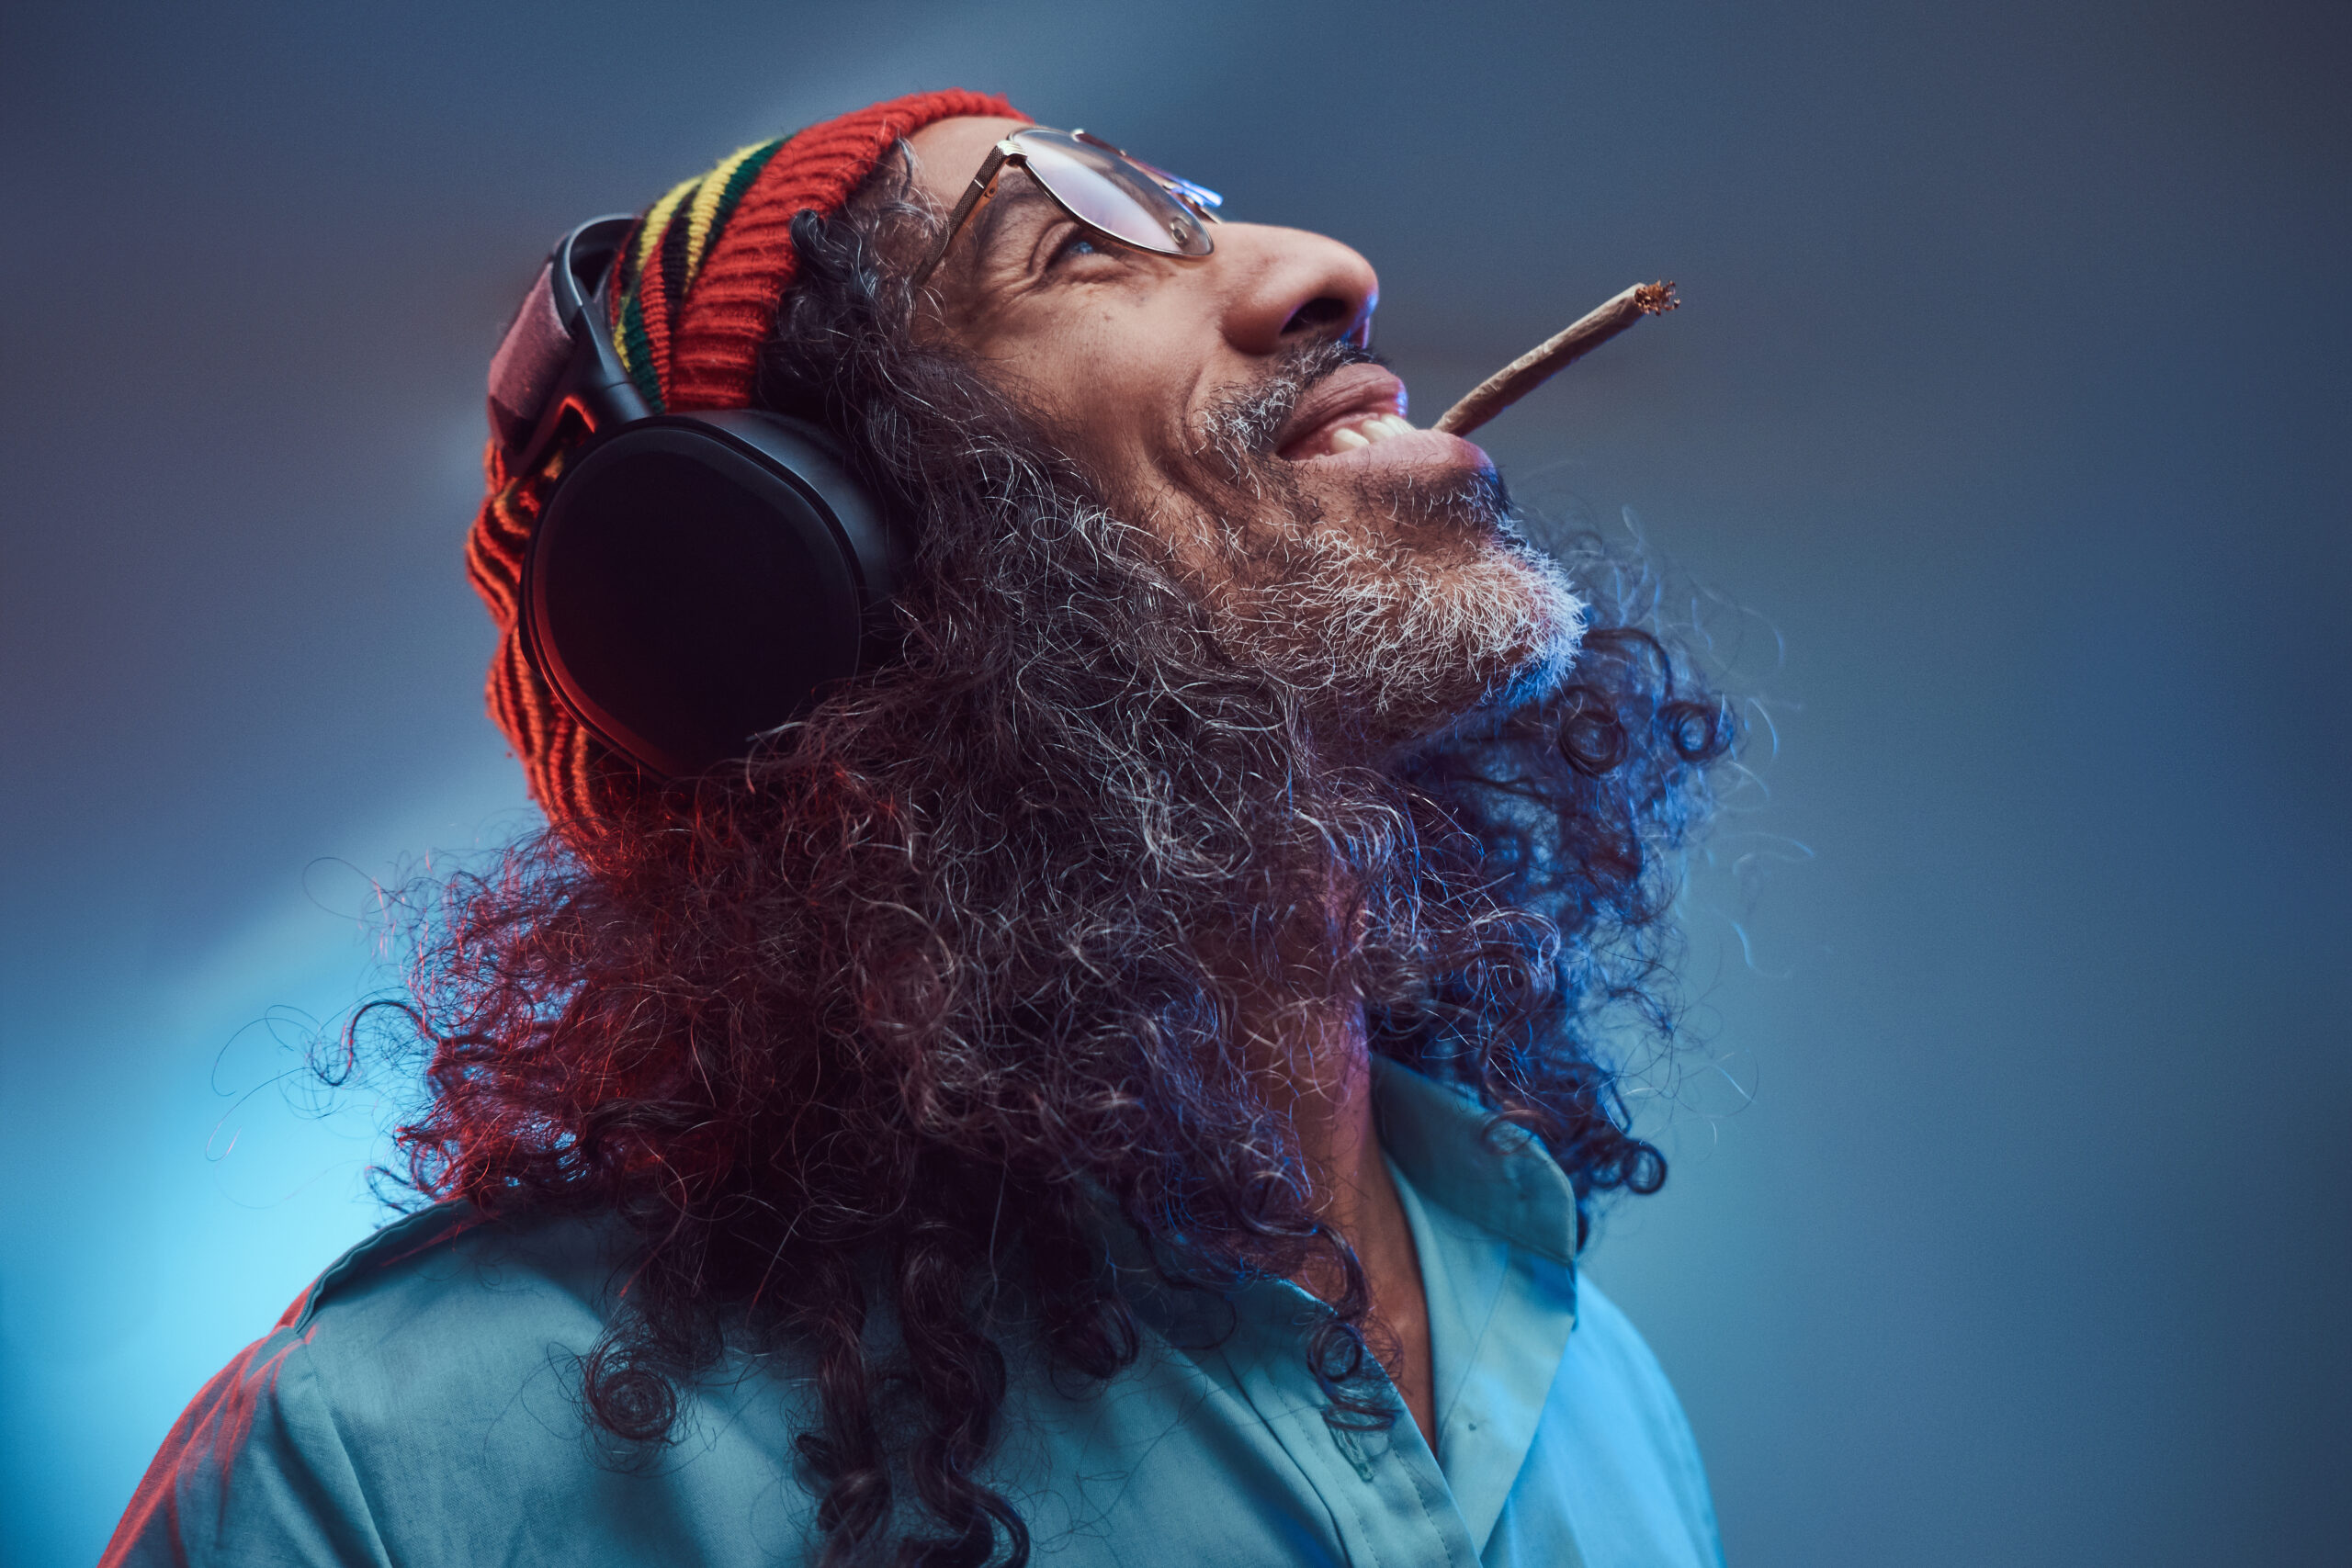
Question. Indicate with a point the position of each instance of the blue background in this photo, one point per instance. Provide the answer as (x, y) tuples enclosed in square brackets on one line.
[(2010, 1215)]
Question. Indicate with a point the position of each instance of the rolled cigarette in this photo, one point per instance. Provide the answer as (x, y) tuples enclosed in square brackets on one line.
[(1556, 354)]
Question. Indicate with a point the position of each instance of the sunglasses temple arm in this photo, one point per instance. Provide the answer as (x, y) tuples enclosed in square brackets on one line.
[(974, 193)]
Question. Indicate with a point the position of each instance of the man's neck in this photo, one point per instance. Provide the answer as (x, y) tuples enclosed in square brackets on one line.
[(1322, 1075)]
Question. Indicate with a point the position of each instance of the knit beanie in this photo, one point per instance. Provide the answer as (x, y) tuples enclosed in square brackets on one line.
[(696, 290)]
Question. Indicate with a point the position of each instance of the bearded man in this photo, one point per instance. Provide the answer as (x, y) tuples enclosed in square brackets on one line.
[(1117, 1081)]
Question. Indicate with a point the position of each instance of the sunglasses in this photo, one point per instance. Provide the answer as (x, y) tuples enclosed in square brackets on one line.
[(1121, 198)]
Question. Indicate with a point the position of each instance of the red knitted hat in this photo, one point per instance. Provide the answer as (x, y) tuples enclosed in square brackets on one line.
[(695, 292)]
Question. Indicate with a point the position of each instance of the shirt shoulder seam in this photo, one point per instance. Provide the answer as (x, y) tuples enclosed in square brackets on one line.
[(404, 1238)]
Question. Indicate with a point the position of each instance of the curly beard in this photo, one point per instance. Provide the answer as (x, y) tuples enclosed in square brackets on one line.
[(1393, 610)]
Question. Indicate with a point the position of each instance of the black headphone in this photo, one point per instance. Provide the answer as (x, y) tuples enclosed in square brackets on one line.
[(694, 578)]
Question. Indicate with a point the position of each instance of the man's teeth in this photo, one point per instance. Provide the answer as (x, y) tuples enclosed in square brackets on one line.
[(1368, 432)]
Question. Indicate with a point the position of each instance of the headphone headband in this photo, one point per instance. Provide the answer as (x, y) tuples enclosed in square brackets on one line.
[(554, 354)]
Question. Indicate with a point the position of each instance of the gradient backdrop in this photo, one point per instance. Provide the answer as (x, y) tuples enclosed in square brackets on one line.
[(2011, 1200)]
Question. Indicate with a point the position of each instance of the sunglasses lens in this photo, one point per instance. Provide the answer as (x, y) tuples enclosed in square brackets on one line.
[(1113, 195)]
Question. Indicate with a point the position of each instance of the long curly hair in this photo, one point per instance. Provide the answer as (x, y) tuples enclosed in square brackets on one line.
[(876, 1025)]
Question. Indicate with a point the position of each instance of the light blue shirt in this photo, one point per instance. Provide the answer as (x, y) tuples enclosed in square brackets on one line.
[(418, 1406)]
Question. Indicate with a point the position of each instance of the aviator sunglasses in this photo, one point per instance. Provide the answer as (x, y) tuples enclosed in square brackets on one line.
[(1121, 198)]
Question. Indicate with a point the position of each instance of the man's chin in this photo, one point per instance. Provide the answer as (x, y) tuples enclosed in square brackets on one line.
[(1454, 648), (1525, 664), (1539, 671), (1399, 607)]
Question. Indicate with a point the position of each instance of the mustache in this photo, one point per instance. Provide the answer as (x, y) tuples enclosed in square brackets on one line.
[(1247, 421)]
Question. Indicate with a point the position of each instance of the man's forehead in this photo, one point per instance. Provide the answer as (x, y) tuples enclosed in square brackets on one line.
[(950, 151)]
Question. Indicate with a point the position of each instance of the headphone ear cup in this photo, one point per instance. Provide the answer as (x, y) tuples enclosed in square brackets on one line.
[(698, 579)]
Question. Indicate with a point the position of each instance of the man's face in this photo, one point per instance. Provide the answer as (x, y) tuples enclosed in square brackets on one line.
[(1226, 403)]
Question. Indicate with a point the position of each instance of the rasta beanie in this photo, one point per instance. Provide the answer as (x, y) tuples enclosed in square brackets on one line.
[(695, 292)]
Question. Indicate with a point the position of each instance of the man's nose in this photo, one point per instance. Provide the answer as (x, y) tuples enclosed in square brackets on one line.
[(1288, 288)]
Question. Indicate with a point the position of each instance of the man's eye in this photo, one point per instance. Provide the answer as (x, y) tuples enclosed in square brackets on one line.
[(1078, 243)]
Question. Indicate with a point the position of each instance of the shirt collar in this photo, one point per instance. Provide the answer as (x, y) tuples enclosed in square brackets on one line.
[(1501, 1180), (1504, 1182)]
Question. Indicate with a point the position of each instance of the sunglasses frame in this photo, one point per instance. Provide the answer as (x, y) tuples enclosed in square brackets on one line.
[(1196, 199)]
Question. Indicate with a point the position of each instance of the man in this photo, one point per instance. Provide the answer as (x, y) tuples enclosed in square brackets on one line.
[(1115, 1083)]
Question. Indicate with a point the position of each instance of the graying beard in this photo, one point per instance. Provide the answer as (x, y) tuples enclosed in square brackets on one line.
[(1357, 627)]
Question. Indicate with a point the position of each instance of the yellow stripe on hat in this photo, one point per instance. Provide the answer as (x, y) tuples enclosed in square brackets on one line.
[(648, 240), (657, 219), (704, 211)]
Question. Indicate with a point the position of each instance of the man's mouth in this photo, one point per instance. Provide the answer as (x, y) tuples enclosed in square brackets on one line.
[(1356, 415)]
